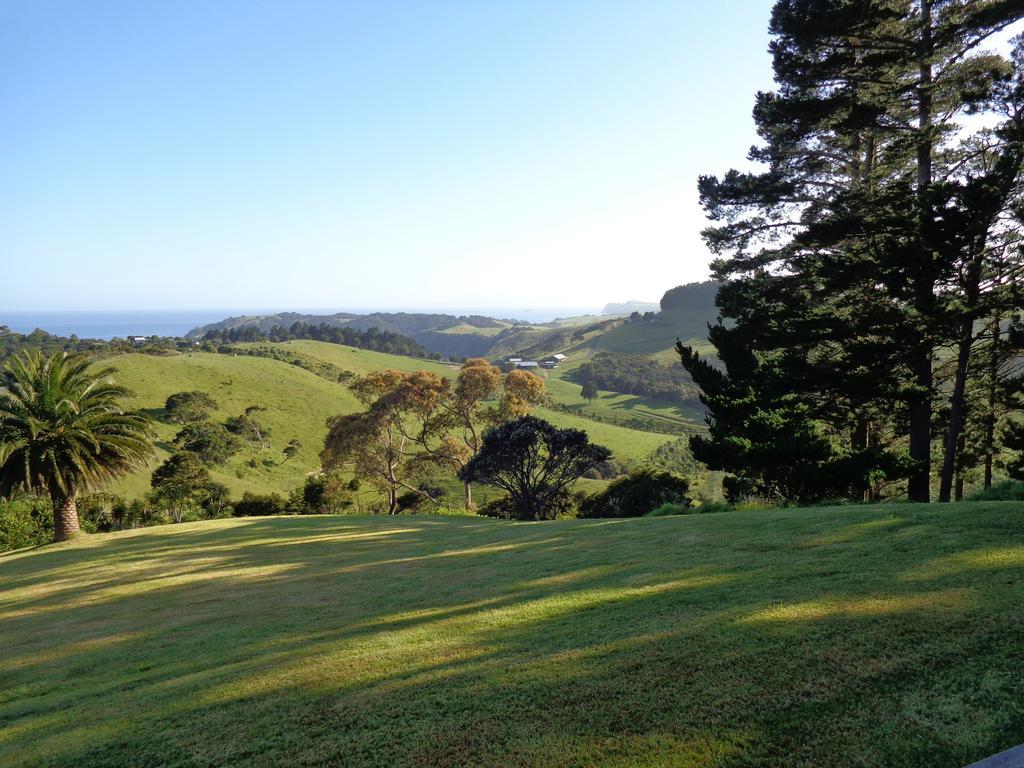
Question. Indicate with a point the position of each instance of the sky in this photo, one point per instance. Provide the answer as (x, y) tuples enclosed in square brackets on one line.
[(425, 154)]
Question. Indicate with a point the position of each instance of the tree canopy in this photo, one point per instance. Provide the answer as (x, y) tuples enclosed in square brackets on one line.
[(534, 462), (64, 431)]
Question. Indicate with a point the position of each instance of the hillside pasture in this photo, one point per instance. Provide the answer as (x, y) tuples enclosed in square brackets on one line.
[(297, 402)]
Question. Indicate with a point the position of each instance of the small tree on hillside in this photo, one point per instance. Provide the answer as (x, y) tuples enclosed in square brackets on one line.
[(291, 450), (186, 407), (249, 427), (373, 448), (534, 462), (589, 390), (178, 483), (210, 442), (453, 419)]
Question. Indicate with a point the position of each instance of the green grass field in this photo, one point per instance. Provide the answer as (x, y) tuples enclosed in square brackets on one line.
[(615, 405), (298, 404), (659, 337), (858, 636), (359, 361)]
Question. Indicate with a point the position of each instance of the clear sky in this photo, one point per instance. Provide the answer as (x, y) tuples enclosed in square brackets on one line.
[(420, 154)]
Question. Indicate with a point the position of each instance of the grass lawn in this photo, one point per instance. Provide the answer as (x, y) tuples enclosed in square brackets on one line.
[(857, 636)]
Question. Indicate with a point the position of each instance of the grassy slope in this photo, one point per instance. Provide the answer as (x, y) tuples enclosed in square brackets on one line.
[(359, 361), (298, 404), (485, 331), (834, 637), (615, 405), (660, 336)]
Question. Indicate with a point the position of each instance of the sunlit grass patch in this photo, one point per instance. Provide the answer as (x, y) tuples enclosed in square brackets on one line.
[(776, 638)]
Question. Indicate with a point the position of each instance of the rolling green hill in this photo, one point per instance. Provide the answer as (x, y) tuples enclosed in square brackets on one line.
[(298, 405), (858, 636), (658, 337)]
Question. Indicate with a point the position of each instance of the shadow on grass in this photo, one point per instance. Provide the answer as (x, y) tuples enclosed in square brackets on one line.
[(847, 637)]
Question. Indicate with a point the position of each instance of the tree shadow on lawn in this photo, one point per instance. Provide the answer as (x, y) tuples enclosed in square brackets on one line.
[(448, 642)]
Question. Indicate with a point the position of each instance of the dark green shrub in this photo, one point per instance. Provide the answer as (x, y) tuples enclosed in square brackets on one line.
[(565, 504), (671, 509), (210, 442), (27, 523), (637, 494), (707, 507), (411, 501), (102, 511), (259, 505), (501, 508), (185, 407), (1008, 490)]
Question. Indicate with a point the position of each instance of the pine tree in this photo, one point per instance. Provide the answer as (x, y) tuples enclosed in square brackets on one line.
[(871, 207)]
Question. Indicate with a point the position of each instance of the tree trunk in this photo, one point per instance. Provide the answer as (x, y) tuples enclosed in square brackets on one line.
[(920, 405), (956, 411), (958, 488), (393, 500), (469, 496), (859, 443), (65, 517), (919, 486), (990, 417)]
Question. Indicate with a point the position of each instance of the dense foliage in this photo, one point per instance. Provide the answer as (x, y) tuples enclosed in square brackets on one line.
[(185, 407), (40, 341), (637, 494), (690, 296), (212, 443), (370, 338), (25, 523), (871, 264), (534, 462), (259, 505)]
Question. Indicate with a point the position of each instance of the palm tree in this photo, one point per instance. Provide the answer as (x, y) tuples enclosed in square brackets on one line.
[(62, 432)]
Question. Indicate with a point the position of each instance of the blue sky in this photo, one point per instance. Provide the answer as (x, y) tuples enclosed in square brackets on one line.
[(484, 154)]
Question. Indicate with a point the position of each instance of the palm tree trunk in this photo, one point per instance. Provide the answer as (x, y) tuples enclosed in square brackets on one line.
[(65, 517)]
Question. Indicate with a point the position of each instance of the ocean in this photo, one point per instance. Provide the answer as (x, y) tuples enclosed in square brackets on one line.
[(106, 324)]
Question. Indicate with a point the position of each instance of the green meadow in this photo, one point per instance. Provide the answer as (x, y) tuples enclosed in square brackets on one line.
[(297, 404), (854, 636)]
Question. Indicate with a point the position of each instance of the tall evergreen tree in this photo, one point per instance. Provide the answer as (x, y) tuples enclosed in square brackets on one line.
[(871, 212)]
